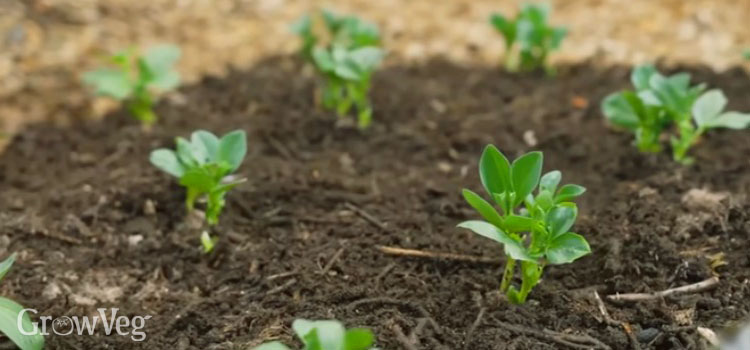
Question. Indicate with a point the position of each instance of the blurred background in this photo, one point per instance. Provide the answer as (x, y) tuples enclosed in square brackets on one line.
[(46, 44)]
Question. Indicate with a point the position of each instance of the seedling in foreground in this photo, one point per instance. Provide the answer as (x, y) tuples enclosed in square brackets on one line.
[(660, 102), (30, 338), (326, 335), (535, 235), (530, 36), (134, 79), (204, 164), (346, 55)]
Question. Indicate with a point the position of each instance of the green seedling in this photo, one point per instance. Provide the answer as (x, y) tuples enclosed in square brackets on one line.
[(326, 335), (533, 228), (345, 54), (204, 165), (661, 102), (746, 54), (20, 330), (134, 79), (207, 242), (347, 74), (326, 28), (530, 37)]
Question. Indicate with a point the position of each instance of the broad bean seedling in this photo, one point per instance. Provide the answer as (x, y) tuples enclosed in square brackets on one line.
[(660, 102), (345, 52), (203, 165), (134, 79), (326, 335), (529, 36), (27, 339), (538, 233)]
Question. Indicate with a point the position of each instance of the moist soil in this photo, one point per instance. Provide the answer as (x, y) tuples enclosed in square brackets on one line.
[(95, 225)]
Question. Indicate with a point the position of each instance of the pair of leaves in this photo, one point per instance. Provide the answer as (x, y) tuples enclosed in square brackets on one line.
[(513, 182), (326, 335), (348, 64), (561, 249), (9, 311), (549, 182), (154, 69), (203, 148)]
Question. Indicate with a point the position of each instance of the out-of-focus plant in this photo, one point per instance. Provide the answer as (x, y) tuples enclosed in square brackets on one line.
[(13, 317), (536, 235), (326, 335), (660, 102), (344, 50), (134, 79), (529, 39)]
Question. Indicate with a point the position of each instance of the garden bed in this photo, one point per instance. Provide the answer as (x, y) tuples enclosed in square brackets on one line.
[(97, 226)]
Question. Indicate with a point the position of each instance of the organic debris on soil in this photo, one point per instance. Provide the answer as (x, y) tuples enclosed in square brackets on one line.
[(96, 226)]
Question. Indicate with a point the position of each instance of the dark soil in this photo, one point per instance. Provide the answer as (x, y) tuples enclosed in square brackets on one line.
[(295, 244)]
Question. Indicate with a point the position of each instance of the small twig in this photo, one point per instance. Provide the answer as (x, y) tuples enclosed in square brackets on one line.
[(411, 305), (281, 275), (278, 147), (690, 288), (437, 255), (402, 338), (476, 324), (282, 287), (61, 237), (331, 262), (569, 340), (365, 215), (413, 335), (610, 321), (385, 272)]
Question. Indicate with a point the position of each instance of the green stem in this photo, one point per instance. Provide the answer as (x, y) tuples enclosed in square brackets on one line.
[(510, 266)]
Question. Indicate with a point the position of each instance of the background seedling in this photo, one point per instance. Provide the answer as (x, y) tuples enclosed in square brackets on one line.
[(9, 311), (530, 37), (135, 78), (326, 335), (344, 51), (537, 234), (660, 102), (204, 164)]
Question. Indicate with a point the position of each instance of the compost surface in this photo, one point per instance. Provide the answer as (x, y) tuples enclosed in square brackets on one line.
[(97, 226)]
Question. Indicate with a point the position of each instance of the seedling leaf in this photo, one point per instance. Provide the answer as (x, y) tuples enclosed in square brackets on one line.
[(561, 218), (9, 312), (483, 207), (272, 346), (567, 248), (358, 339), (512, 247), (110, 82), (525, 173), (494, 171), (232, 148), (167, 161)]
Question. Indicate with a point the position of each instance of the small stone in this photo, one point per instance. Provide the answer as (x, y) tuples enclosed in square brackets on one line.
[(134, 240), (149, 208), (51, 291), (647, 335)]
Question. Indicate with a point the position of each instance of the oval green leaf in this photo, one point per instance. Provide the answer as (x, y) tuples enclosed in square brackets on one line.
[(483, 207), (525, 173), (567, 248), (512, 248)]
